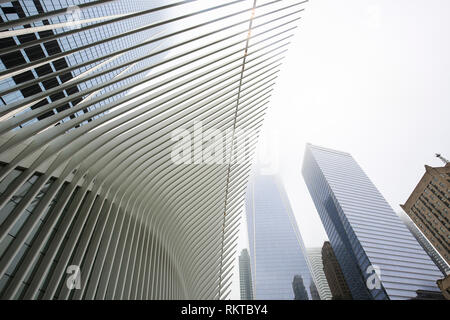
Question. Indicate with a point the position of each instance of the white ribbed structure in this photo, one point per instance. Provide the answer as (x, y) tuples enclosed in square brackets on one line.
[(90, 98), (315, 260)]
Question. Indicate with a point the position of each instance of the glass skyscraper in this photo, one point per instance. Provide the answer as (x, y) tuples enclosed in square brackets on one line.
[(279, 265), (245, 276), (73, 53), (379, 257)]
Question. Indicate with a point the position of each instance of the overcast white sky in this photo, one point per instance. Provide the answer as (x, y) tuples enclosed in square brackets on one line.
[(368, 77)]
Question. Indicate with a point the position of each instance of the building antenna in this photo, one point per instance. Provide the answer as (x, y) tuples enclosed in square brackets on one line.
[(445, 161)]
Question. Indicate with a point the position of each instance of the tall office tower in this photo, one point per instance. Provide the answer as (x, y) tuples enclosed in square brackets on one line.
[(245, 276), (428, 207), (379, 257), (102, 194), (277, 252), (315, 260), (333, 273), (298, 287), (426, 245), (42, 60)]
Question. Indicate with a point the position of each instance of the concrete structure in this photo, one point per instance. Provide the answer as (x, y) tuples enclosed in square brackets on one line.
[(444, 285), (316, 262), (92, 203), (428, 295), (333, 274), (245, 276), (428, 206), (277, 253), (379, 257)]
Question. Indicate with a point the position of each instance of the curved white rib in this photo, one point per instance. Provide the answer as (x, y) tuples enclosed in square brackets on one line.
[(93, 185)]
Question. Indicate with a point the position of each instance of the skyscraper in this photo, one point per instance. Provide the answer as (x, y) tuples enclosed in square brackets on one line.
[(333, 273), (379, 257), (426, 245), (93, 201), (58, 50), (277, 253), (428, 206), (315, 260), (245, 276), (299, 289)]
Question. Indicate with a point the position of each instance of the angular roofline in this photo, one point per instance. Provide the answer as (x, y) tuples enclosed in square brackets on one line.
[(327, 149)]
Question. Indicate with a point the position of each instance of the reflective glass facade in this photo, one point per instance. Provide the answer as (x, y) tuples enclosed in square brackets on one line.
[(279, 268), (61, 54), (363, 229), (245, 276)]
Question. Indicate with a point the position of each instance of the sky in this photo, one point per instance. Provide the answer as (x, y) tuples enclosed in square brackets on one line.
[(367, 77)]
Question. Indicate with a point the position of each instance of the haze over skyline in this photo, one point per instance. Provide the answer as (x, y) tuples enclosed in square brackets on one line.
[(369, 78)]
